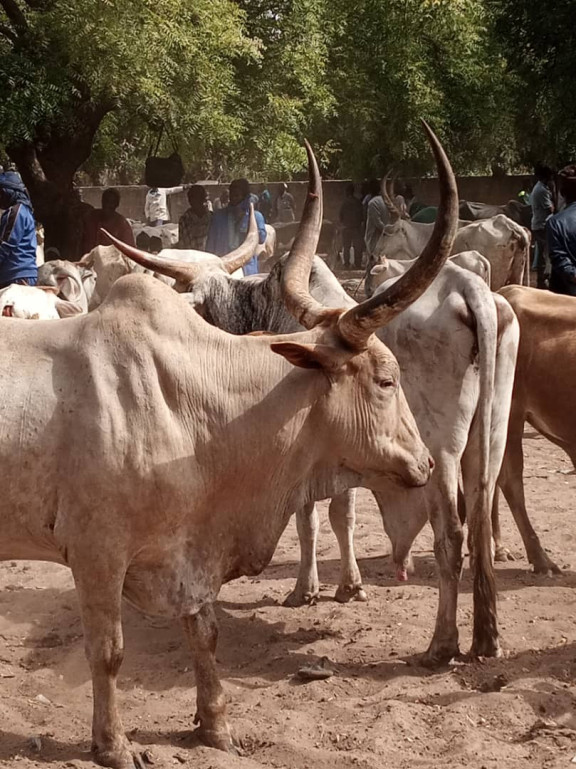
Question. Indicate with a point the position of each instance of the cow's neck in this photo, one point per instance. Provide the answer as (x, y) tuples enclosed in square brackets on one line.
[(277, 414)]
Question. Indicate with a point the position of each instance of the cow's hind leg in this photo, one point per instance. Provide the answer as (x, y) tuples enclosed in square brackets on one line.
[(307, 587), (448, 539), (100, 595), (202, 632), (501, 552), (512, 484), (342, 519)]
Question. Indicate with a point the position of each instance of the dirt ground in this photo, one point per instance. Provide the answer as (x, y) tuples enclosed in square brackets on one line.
[(376, 711)]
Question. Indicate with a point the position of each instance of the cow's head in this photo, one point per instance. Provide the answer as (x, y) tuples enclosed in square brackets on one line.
[(373, 432), (187, 274), (73, 282)]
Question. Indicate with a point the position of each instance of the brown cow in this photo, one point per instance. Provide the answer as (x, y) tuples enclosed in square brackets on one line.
[(544, 393)]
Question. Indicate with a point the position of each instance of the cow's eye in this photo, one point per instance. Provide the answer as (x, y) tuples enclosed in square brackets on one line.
[(386, 383)]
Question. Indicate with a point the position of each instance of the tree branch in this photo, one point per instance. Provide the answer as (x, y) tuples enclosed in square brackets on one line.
[(39, 5), (9, 33), (14, 13)]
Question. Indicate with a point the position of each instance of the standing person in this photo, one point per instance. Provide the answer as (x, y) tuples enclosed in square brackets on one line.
[(400, 199), (376, 220), (265, 202), (195, 222), (284, 207), (542, 208), (351, 216), (561, 237), (371, 190), (156, 206), (106, 217), (229, 225), (17, 233), (222, 201)]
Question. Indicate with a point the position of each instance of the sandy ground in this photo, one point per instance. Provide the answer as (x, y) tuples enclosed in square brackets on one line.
[(376, 711)]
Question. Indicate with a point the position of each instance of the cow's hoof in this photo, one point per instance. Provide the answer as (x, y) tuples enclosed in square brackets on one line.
[(485, 647), (439, 654), (300, 598), (545, 565), (220, 740), (347, 593), (123, 758), (503, 555)]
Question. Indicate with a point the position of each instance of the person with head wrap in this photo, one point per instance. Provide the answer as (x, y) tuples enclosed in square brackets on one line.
[(17, 233), (561, 237)]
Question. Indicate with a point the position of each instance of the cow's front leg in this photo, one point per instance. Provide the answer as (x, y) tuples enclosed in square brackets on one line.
[(202, 632), (307, 587), (342, 513), (100, 594)]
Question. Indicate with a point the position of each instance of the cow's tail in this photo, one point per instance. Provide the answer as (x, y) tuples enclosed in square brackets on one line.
[(478, 483), (527, 251), (520, 272)]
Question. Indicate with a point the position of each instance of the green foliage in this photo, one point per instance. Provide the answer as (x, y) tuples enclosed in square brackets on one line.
[(540, 39), (239, 83), (150, 60), (396, 61)]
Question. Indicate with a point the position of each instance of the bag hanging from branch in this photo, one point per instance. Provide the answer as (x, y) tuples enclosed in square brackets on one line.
[(163, 172)]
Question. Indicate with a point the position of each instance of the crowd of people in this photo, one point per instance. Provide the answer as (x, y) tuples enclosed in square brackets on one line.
[(221, 226)]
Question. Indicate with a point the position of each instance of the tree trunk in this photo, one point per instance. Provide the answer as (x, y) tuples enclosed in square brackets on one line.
[(48, 166)]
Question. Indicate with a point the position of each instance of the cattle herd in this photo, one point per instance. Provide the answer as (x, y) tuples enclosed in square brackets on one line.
[(158, 441)]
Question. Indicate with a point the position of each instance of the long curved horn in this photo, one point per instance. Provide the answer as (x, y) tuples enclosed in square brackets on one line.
[(360, 322), (182, 272), (296, 272), (186, 272), (236, 259), (388, 202)]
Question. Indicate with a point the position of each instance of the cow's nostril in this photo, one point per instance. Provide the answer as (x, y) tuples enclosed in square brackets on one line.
[(431, 463)]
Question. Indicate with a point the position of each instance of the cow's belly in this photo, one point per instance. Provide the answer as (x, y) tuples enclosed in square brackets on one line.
[(28, 508), (29, 550), (175, 575)]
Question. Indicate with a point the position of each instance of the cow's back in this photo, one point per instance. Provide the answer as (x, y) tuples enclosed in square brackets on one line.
[(545, 384), (503, 242)]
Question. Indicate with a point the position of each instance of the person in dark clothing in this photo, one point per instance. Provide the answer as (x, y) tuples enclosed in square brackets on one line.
[(542, 207), (561, 237), (108, 218), (265, 202), (351, 217), (17, 233)]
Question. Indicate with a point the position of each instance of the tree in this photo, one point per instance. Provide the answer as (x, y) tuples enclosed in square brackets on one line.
[(393, 62), (68, 65), (540, 39)]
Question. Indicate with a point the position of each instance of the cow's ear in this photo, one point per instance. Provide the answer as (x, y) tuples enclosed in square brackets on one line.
[(319, 356), (68, 309)]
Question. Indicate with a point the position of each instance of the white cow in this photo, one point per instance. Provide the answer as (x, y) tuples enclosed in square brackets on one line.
[(457, 344), (134, 439), (88, 281), (35, 303), (504, 243), (168, 233), (393, 268)]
